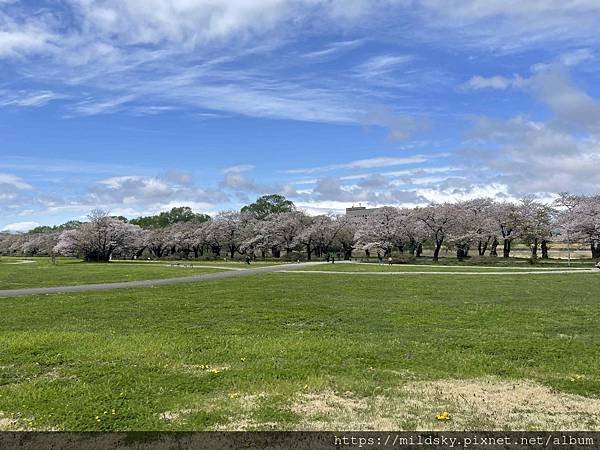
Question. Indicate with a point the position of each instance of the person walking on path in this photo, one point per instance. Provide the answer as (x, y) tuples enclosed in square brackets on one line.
[(248, 259), (598, 265)]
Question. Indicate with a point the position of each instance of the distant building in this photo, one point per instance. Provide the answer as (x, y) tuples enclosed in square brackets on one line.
[(360, 212)]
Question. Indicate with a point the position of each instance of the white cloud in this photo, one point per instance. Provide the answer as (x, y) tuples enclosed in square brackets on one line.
[(27, 98), (495, 82), (469, 192), (13, 181), (334, 48), (576, 57), (19, 42), (364, 164), (20, 227), (140, 191), (238, 168), (382, 64)]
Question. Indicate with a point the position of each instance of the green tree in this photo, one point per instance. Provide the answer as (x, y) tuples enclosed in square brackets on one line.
[(166, 218), (269, 204)]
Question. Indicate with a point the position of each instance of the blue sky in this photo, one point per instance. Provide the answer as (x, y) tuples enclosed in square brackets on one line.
[(137, 106)]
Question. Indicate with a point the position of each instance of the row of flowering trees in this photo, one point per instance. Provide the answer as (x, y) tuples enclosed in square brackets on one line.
[(481, 227)]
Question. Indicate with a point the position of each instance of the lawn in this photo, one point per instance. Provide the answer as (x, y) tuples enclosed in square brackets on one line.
[(69, 271), (307, 351), (420, 268)]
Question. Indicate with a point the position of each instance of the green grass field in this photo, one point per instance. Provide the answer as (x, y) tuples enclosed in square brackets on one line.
[(69, 271), (370, 267), (307, 351)]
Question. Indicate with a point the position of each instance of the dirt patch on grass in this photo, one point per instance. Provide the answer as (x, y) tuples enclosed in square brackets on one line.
[(436, 405), (330, 410), (244, 405), (451, 405), (8, 423), (499, 405)]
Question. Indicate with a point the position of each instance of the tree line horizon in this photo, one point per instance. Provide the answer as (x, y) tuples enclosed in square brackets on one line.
[(272, 226)]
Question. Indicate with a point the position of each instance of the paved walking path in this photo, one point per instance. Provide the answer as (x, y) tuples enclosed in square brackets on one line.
[(151, 283), (24, 261), (288, 268)]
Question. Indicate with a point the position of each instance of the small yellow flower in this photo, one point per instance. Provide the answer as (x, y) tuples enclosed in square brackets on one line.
[(443, 416)]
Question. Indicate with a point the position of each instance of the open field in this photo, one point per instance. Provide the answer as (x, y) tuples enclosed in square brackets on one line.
[(307, 351), (420, 268), (15, 273)]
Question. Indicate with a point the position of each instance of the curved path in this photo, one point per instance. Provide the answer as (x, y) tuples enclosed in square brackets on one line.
[(151, 283), (289, 268), (22, 261)]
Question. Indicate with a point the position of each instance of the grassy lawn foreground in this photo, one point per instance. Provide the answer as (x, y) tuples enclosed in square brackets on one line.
[(371, 267), (301, 351), (67, 271)]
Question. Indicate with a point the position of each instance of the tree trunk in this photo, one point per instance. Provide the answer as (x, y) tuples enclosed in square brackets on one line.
[(544, 249), (436, 251), (506, 249), (419, 250), (348, 253), (534, 249), (482, 247), (494, 249), (595, 248), (308, 252)]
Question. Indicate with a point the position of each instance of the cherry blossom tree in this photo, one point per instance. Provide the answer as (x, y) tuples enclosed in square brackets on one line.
[(384, 230), (348, 236), (157, 242), (535, 225), (226, 230), (438, 220), (506, 217), (587, 222), (101, 238)]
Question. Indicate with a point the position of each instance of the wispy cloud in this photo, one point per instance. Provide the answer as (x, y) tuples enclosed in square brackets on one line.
[(380, 65), (27, 98), (362, 164), (9, 179), (20, 227), (494, 82), (334, 48), (240, 168)]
